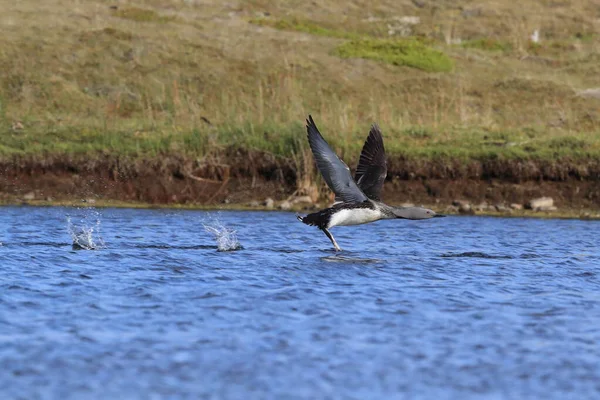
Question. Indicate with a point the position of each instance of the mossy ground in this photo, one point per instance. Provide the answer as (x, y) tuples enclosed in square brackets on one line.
[(410, 53)]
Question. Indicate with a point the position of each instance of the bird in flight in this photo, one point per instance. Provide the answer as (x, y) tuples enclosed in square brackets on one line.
[(358, 200)]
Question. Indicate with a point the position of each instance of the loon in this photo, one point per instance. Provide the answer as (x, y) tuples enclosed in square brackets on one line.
[(357, 201)]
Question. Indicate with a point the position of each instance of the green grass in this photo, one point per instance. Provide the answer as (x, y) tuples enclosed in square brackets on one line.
[(407, 52), (288, 140), (568, 143)]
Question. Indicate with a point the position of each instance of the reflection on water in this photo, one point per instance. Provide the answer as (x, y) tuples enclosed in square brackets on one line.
[(339, 258), (445, 308)]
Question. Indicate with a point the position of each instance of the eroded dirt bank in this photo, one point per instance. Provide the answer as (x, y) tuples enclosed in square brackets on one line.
[(241, 177)]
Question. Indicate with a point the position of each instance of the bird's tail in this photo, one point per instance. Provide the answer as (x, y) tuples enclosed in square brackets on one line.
[(319, 218)]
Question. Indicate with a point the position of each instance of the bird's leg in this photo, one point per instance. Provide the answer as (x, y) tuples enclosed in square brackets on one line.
[(330, 236)]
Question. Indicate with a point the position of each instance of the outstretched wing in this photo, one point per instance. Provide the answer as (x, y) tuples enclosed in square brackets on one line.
[(334, 171), (372, 167)]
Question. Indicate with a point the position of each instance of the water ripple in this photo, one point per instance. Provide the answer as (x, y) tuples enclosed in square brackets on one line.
[(449, 308)]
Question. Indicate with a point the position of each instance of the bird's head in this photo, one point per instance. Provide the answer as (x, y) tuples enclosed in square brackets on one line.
[(415, 213)]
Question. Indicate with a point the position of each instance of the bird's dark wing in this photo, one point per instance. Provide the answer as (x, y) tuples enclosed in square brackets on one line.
[(334, 171), (372, 167)]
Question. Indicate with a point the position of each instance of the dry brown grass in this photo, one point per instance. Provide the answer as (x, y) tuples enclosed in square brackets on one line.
[(166, 75)]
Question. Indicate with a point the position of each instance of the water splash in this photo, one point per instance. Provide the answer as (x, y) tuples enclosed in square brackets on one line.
[(85, 234), (225, 237)]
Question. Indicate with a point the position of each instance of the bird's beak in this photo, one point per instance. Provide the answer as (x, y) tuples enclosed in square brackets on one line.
[(438, 216)]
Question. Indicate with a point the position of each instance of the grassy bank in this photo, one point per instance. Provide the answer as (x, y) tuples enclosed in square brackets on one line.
[(445, 80), (453, 143)]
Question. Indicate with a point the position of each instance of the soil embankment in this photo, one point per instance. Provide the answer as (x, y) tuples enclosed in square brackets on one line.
[(241, 177)]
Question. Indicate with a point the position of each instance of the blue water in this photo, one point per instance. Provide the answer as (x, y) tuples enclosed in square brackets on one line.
[(460, 307)]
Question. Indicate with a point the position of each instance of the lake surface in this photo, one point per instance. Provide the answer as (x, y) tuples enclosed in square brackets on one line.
[(460, 307)]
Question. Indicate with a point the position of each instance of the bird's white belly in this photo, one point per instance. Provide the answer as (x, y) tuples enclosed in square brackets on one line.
[(354, 216)]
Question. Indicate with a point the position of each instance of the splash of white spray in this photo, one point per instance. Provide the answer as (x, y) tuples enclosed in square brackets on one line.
[(225, 237), (86, 234)]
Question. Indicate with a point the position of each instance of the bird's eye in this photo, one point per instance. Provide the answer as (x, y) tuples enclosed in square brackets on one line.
[(428, 212)]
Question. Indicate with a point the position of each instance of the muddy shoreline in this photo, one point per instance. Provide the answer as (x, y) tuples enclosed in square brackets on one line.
[(246, 179)]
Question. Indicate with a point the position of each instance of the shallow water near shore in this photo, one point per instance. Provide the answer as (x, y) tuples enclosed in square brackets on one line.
[(460, 307)]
